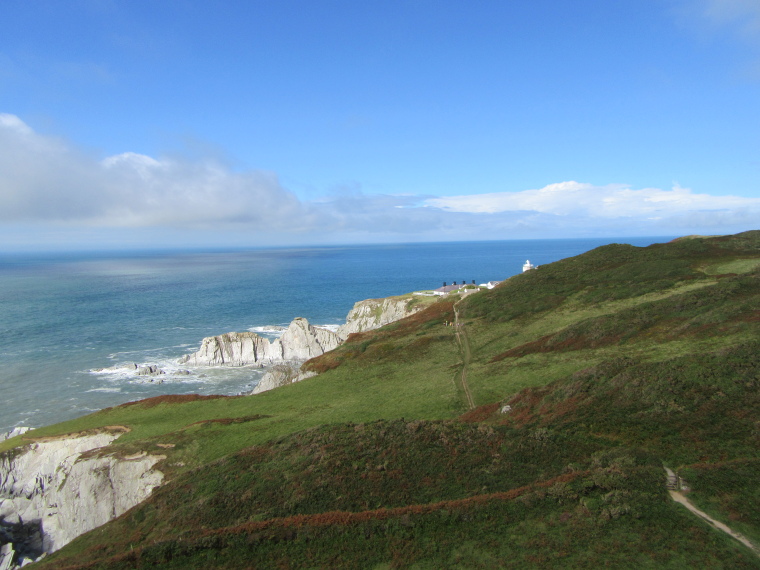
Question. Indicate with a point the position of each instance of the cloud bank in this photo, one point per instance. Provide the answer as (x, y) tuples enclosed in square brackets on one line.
[(48, 182), (589, 201)]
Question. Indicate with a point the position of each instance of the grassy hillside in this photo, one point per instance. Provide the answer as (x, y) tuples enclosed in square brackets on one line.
[(611, 363)]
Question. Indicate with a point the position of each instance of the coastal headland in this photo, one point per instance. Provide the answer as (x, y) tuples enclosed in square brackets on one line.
[(583, 378)]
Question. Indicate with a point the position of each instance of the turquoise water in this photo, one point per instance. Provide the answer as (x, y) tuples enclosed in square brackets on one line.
[(64, 315)]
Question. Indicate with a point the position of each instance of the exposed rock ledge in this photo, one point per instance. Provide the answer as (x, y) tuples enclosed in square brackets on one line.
[(300, 341), (372, 314), (50, 493), (366, 315), (281, 375)]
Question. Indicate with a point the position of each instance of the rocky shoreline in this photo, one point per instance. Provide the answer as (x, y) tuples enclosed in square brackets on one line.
[(53, 490), (298, 342)]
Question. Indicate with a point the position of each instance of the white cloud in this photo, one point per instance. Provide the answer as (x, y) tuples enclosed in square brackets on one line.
[(49, 187), (44, 178), (589, 201), (13, 123)]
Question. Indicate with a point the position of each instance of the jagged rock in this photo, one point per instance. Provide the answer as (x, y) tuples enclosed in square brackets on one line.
[(7, 554), (49, 482), (230, 349), (299, 342), (280, 375), (151, 370), (276, 376), (372, 314), (14, 432)]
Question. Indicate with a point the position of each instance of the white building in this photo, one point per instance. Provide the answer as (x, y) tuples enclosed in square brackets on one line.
[(527, 266)]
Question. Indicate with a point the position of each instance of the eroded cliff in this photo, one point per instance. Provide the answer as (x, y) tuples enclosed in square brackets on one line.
[(372, 314), (300, 341), (51, 491)]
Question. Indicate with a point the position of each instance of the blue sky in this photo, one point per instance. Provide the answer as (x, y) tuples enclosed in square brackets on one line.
[(135, 123)]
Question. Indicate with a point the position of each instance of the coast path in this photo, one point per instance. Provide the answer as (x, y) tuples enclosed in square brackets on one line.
[(678, 497), (464, 346)]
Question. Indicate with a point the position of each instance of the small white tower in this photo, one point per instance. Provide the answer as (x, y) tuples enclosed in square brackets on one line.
[(527, 266)]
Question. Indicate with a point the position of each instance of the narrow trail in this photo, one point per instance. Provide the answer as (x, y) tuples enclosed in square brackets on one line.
[(680, 498), (464, 345)]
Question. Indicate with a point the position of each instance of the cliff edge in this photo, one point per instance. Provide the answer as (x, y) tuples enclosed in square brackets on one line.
[(51, 492), (372, 314)]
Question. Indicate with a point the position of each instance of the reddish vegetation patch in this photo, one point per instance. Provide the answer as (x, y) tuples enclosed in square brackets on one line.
[(545, 344), (228, 421), (323, 363), (286, 528), (364, 345), (539, 345), (751, 317), (348, 518), (523, 405), (480, 414), (564, 407), (172, 399)]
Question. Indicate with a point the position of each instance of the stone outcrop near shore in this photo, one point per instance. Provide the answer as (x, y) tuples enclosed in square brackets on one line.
[(300, 342), (50, 492), (365, 316), (281, 375), (372, 314)]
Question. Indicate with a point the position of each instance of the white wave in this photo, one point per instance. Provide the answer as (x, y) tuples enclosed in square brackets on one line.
[(104, 390), (171, 373), (146, 351), (273, 331)]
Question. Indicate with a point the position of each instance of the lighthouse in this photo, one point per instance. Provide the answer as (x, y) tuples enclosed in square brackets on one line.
[(527, 266)]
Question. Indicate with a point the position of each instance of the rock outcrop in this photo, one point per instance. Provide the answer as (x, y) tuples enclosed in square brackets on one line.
[(281, 375), (372, 314), (14, 432), (50, 492), (300, 341)]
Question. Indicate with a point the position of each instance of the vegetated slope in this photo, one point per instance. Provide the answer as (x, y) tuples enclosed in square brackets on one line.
[(360, 495), (613, 362)]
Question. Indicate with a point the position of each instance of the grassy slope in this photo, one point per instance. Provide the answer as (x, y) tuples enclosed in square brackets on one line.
[(593, 352)]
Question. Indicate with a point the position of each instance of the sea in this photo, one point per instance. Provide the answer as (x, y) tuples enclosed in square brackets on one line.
[(73, 324)]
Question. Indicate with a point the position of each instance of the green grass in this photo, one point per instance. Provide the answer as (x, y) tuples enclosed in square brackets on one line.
[(614, 362), (734, 266), (318, 499), (729, 491)]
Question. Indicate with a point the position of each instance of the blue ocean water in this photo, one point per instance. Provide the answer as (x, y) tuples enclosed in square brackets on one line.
[(64, 315)]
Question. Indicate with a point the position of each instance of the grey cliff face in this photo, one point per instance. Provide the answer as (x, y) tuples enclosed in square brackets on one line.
[(231, 349), (300, 341), (49, 494), (281, 375), (374, 313)]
